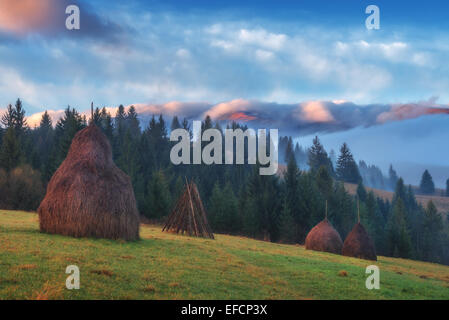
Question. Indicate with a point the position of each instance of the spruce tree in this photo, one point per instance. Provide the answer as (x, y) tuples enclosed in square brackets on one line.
[(347, 169), (318, 157), (20, 123), (175, 123), (427, 186), (292, 196), (324, 182), (398, 237), (287, 224), (158, 199), (392, 177), (8, 118), (44, 145), (10, 152), (361, 192), (132, 122), (432, 234)]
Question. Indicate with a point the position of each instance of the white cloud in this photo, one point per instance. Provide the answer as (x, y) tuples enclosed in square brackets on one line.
[(262, 38), (263, 55), (183, 53)]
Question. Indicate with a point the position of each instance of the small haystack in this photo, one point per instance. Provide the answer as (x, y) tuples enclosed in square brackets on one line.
[(88, 196), (358, 244), (189, 215), (323, 237)]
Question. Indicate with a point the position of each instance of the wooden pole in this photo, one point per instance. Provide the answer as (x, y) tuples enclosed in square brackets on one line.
[(358, 210), (326, 210), (92, 112)]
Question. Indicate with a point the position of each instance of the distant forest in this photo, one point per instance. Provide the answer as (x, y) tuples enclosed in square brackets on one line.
[(280, 208)]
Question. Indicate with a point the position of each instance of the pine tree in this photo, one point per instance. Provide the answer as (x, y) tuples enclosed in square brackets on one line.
[(311, 205), (97, 118), (324, 182), (287, 224), (361, 192), (8, 118), (10, 152), (432, 234), (447, 188), (106, 124), (427, 186), (318, 157), (292, 204), (158, 200), (398, 237), (342, 210), (289, 151), (374, 222), (264, 191), (44, 145), (347, 169), (132, 122), (20, 123), (392, 177), (216, 218), (400, 191), (175, 123)]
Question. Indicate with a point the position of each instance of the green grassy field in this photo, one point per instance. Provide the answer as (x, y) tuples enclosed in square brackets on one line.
[(169, 266)]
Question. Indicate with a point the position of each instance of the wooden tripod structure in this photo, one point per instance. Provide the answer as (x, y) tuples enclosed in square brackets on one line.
[(189, 215)]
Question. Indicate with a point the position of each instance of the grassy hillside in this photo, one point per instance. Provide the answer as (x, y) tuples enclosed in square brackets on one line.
[(442, 203), (168, 266)]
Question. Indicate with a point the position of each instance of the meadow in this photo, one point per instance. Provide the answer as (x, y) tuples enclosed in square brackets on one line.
[(169, 266)]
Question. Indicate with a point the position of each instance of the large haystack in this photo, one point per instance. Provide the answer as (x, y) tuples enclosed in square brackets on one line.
[(323, 237), (88, 196), (189, 215), (358, 244)]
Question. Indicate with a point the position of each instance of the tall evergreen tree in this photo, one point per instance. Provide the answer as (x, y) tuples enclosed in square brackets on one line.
[(318, 157), (158, 200), (44, 144), (347, 169), (432, 234), (392, 177), (427, 186), (447, 188), (8, 118), (398, 237), (175, 123), (20, 122), (10, 152), (132, 122)]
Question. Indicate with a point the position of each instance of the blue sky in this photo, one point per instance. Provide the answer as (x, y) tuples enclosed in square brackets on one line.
[(260, 57)]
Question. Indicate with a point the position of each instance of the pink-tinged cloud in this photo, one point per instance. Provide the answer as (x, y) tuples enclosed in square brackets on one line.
[(224, 110), (23, 16), (241, 116), (409, 111), (314, 111)]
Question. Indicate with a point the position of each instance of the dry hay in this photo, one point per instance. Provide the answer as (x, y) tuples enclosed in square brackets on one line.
[(358, 244), (323, 237), (88, 196)]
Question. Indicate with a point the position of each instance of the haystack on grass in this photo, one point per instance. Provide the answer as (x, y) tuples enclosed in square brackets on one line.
[(189, 216), (88, 196), (358, 244), (323, 237)]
